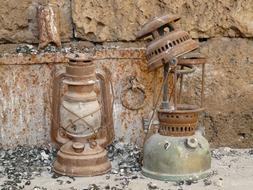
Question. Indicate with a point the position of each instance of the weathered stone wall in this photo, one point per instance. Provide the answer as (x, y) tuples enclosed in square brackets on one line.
[(228, 118), (18, 21), (225, 29), (99, 20), (120, 20)]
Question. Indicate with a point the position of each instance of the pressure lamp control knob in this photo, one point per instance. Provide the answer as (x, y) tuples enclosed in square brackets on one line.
[(192, 142)]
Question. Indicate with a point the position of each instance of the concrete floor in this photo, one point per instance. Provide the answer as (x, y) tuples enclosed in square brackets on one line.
[(233, 170)]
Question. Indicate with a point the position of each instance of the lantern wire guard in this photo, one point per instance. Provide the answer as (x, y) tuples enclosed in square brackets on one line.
[(81, 129), (177, 150)]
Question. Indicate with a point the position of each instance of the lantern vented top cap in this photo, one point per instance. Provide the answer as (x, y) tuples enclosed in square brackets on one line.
[(156, 23), (79, 57)]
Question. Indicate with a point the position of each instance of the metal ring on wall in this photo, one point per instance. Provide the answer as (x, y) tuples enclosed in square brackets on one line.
[(133, 95)]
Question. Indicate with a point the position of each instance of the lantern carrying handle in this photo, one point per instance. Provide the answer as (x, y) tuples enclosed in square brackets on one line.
[(55, 134), (107, 98)]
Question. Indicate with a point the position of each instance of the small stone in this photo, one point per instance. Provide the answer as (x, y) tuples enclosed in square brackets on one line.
[(188, 182), (207, 182), (23, 163), (227, 150), (26, 49), (2, 154), (152, 186), (66, 50), (179, 183), (44, 156), (73, 178), (28, 183), (55, 176), (50, 49), (94, 187), (135, 177), (218, 183), (122, 170), (60, 182), (114, 172)]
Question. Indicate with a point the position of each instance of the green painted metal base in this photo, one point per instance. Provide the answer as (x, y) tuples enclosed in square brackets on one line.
[(176, 158), (166, 177)]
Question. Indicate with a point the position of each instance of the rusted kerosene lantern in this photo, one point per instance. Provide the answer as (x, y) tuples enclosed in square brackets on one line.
[(178, 151), (82, 121)]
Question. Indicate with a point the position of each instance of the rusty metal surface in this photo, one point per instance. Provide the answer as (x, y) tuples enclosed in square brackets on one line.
[(167, 42), (25, 104), (177, 122), (32, 59), (181, 122), (78, 159), (80, 78), (155, 23), (106, 134), (79, 113), (167, 46), (133, 94), (121, 63), (79, 121), (30, 123), (192, 59), (26, 92)]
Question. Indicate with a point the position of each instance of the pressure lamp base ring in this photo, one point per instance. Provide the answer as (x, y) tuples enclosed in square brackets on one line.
[(168, 177), (173, 159)]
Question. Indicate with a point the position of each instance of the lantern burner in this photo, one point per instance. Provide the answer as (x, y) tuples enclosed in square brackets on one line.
[(181, 122)]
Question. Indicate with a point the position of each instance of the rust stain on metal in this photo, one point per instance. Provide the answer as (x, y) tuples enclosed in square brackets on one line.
[(26, 94), (82, 132), (166, 46), (77, 76), (128, 123), (163, 162), (118, 53), (133, 94), (167, 43), (31, 59), (181, 122), (25, 108), (106, 96), (78, 159)]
